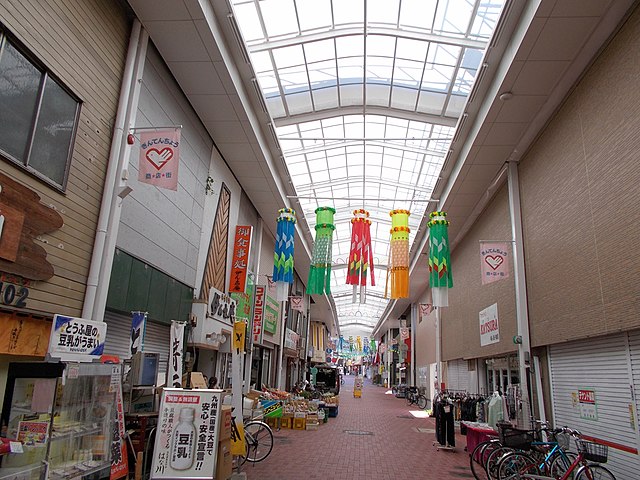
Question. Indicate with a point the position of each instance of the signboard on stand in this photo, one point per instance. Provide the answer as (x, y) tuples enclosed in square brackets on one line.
[(186, 443), (76, 339)]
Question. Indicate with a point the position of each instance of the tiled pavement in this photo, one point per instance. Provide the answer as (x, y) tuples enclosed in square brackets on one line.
[(395, 449)]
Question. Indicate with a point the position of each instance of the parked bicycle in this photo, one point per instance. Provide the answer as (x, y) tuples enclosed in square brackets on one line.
[(258, 439), (413, 396)]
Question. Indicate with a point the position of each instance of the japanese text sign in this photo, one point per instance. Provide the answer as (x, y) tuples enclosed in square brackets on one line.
[(174, 372), (240, 262), (76, 339), (159, 158), (138, 325), (239, 331), (221, 306), (258, 313), (494, 261), (587, 402), (187, 434), (489, 326), (271, 310), (119, 458)]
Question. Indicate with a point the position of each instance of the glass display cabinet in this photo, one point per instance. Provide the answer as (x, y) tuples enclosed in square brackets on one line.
[(63, 416)]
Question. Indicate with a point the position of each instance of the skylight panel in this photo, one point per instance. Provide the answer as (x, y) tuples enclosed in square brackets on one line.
[(288, 56), (325, 98), (279, 17), (299, 102), (418, 13), (383, 11), (314, 14), (249, 21), (454, 16), (348, 12)]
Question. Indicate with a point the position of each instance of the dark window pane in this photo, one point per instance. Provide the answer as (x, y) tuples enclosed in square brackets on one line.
[(19, 82), (53, 133)]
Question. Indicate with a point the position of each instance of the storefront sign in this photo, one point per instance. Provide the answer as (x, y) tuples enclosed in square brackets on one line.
[(290, 339), (425, 309), (119, 460), (160, 158), (221, 306), (186, 443), (14, 290), (587, 403), (489, 326), (138, 326), (174, 372), (76, 339), (494, 261), (271, 312), (239, 331), (258, 313), (240, 262)]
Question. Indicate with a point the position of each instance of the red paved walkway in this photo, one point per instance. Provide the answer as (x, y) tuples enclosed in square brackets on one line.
[(397, 449)]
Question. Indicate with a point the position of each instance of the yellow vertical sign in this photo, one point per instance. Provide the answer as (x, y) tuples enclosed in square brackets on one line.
[(239, 331)]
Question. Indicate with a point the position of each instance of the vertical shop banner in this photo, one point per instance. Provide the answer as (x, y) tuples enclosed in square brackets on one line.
[(297, 304), (494, 261), (187, 434), (404, 333), (138, 327), (271, 310), (258, 314), (119, 459), (76, 339), (240, 262), (159, 158), (239, 332), (174, 372), (489, 326)]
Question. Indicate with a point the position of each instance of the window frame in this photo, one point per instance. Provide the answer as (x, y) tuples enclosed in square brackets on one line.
[(7, 36)]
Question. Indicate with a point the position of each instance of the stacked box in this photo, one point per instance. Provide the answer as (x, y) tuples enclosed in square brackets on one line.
[(312, 421), (299, 423), (286, 421)]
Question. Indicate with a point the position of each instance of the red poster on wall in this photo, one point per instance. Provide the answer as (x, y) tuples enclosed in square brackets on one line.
[(240, 262)]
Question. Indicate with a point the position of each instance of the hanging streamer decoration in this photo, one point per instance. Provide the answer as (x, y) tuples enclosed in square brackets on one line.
[(283, 256), (399, 261), (440, 276), (361, 254), (320, 273)]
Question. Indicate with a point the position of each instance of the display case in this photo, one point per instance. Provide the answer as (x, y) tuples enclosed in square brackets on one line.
[(63, 414)]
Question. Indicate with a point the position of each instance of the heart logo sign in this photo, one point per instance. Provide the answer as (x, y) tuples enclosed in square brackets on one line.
[(158, 158), (494, 261)]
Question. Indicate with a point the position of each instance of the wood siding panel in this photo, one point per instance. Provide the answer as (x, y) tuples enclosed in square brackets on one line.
[(84, 44), (216, 267)]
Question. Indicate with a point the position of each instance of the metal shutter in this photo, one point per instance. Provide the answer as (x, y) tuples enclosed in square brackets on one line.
[(457, 375), (601, 364), (634, 351), (156, 338)]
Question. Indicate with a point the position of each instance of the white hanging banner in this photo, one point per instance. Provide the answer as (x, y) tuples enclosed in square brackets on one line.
[(174, 372), (425, 309), (297, 303), (494, 261), (404, 333), (159, 158)]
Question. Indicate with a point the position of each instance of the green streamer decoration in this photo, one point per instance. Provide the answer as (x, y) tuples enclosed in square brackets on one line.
[(440, 276), (320, 272)]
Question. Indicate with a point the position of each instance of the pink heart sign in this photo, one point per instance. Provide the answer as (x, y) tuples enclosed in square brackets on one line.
[(494, 261), (158, 158)]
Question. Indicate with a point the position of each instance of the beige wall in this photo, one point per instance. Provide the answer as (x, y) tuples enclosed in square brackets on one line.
[(460, 321), (580, 189), (84, 43), (580, 194)]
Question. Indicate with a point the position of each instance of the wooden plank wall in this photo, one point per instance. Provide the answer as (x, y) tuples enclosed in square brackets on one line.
[(84, 44)]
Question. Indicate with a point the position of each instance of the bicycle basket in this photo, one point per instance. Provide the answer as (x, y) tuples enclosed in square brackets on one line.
[(594, 452), (515, 438), (564, 440)]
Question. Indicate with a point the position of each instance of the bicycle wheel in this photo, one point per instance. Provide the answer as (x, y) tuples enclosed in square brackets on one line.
[(594, 472), (476, 463), (491, 465), (421, 402), (515, 464), (409, 397), (259, 439), (560, 464)]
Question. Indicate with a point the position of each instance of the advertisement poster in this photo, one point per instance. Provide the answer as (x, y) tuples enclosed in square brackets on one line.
[(186, 443), (489, 326), (271, 310), (76, 339), (258, 314), (119, 460), (33, 432), (587, 403)]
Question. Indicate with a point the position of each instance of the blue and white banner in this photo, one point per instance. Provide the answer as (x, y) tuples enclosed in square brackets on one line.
[(76, 339), (138, 328)]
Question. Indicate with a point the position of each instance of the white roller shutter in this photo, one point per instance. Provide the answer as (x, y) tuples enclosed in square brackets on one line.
[(156, 338), (600, 364), (457, 375), (634, 353)]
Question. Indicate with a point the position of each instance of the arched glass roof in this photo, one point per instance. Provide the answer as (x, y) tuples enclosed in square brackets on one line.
[(364, 96)]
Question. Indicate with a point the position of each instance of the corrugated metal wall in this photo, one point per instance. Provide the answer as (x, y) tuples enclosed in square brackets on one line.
[(602, 365)]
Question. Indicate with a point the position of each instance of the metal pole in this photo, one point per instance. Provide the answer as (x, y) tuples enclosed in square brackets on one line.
[(412, 370), (438, 351), (283, 327), (256, 247), (389, 355), (522, 318)]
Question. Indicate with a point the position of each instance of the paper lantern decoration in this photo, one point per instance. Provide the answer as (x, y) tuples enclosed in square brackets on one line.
[(361, 254), (440, 276), (399, 261), (320, 272), (283, 256)]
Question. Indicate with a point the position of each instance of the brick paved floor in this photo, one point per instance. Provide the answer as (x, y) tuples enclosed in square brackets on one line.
[(396, 448)]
